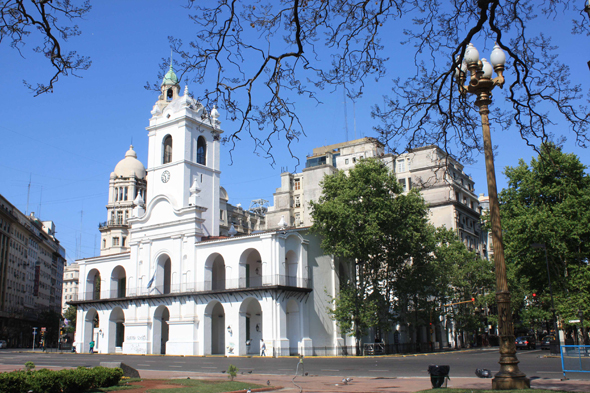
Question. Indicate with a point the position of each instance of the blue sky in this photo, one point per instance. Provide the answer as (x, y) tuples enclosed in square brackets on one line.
[(67, 143)]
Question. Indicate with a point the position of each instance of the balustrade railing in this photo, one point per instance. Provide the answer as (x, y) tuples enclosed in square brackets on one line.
[(201, 286)]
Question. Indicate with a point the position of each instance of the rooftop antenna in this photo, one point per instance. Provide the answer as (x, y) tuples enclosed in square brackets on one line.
[(28, 194), (354, 117), (345, 114), (40, 203), (80, 244)]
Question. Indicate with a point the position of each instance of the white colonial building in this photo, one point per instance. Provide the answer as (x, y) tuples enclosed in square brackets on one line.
[(167, 283)]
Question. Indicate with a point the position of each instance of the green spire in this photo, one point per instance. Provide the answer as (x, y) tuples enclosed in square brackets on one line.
[(170, 78)]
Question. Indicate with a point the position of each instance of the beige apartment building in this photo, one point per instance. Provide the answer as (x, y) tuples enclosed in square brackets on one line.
[(31, 272), (446, 188)]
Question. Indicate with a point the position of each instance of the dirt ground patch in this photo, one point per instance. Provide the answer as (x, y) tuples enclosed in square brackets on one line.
[(148, 385)]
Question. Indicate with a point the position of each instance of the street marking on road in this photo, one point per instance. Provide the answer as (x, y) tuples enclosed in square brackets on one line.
[(329, 370), (143, 364), (175, 366)]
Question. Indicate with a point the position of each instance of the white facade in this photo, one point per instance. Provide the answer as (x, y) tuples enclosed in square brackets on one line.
[(182, 289)]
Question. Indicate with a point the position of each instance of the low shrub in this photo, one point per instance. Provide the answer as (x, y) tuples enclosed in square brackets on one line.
[(62, 381)]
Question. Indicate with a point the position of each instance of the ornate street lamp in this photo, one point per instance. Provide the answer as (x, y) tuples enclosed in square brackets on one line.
[(481, 85)]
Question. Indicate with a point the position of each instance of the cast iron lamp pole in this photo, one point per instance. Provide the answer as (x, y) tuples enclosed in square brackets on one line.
[(557, 339), (581, 315), (481, 85)]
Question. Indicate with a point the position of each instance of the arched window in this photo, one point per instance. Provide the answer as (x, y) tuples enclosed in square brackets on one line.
[(167, 150), (201, 151)]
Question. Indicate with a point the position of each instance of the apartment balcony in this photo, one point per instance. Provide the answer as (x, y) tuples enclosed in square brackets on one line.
[(229, 285), (112, 224)]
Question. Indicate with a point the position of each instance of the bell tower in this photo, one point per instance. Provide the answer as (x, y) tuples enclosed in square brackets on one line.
[(183, 155)]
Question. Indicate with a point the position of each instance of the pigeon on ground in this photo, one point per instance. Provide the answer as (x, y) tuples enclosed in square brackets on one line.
[(348, 379), (250, 372), (344, 381), (222, 371), (306, 374), (268, 382)]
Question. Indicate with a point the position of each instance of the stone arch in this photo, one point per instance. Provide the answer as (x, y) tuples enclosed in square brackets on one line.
[(160, 330), (167, 149), (201, 150), (116, 330), (162, 275), (215, 272), (250, 269), (293, 326), (250, 332), (93, 285), (91, 322), (214, 342), (118, 282)]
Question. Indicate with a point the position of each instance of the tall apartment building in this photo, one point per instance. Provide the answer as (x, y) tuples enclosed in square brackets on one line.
[(31, 272), (446, 188)]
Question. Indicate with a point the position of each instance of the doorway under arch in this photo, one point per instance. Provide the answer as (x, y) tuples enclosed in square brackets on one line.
[(116, 330), (160, 330), (291, 268), (93, 285), (251, 319), (214, 329), (215, 273), (293, 326), (91, 321), (163, 274), (118, 282)]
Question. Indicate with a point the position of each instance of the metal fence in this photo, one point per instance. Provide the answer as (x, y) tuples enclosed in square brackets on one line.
[(203, 286), (575, 359), (369, 349)]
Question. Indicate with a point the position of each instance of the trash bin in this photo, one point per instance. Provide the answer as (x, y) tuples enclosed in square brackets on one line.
[(438, 375)]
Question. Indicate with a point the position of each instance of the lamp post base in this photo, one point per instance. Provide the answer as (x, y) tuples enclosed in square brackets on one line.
[(508, 382)]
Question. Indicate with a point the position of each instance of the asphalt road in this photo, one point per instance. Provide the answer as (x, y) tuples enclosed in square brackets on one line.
[(463, 363)]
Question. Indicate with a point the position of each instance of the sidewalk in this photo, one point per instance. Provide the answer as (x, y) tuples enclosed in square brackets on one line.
[(324, 384)]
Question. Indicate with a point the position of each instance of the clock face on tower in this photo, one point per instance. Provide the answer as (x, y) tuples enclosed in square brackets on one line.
[(165, 176)]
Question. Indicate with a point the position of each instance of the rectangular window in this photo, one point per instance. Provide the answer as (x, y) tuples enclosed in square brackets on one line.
[(410, 183), (297, 184), (297, 201), (402, 182), (346, 161), (401, 165), (115, 241)]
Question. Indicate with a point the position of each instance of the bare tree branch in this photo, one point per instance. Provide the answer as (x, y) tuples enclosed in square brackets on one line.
[(18, 18), (265, 55)]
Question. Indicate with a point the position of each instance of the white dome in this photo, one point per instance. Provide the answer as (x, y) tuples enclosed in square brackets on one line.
[(130, 166)]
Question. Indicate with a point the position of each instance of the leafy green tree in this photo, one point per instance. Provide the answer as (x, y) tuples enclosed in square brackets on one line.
[(461, 276), (548, 201), (383, 236), (70, 315), (51, 321)]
